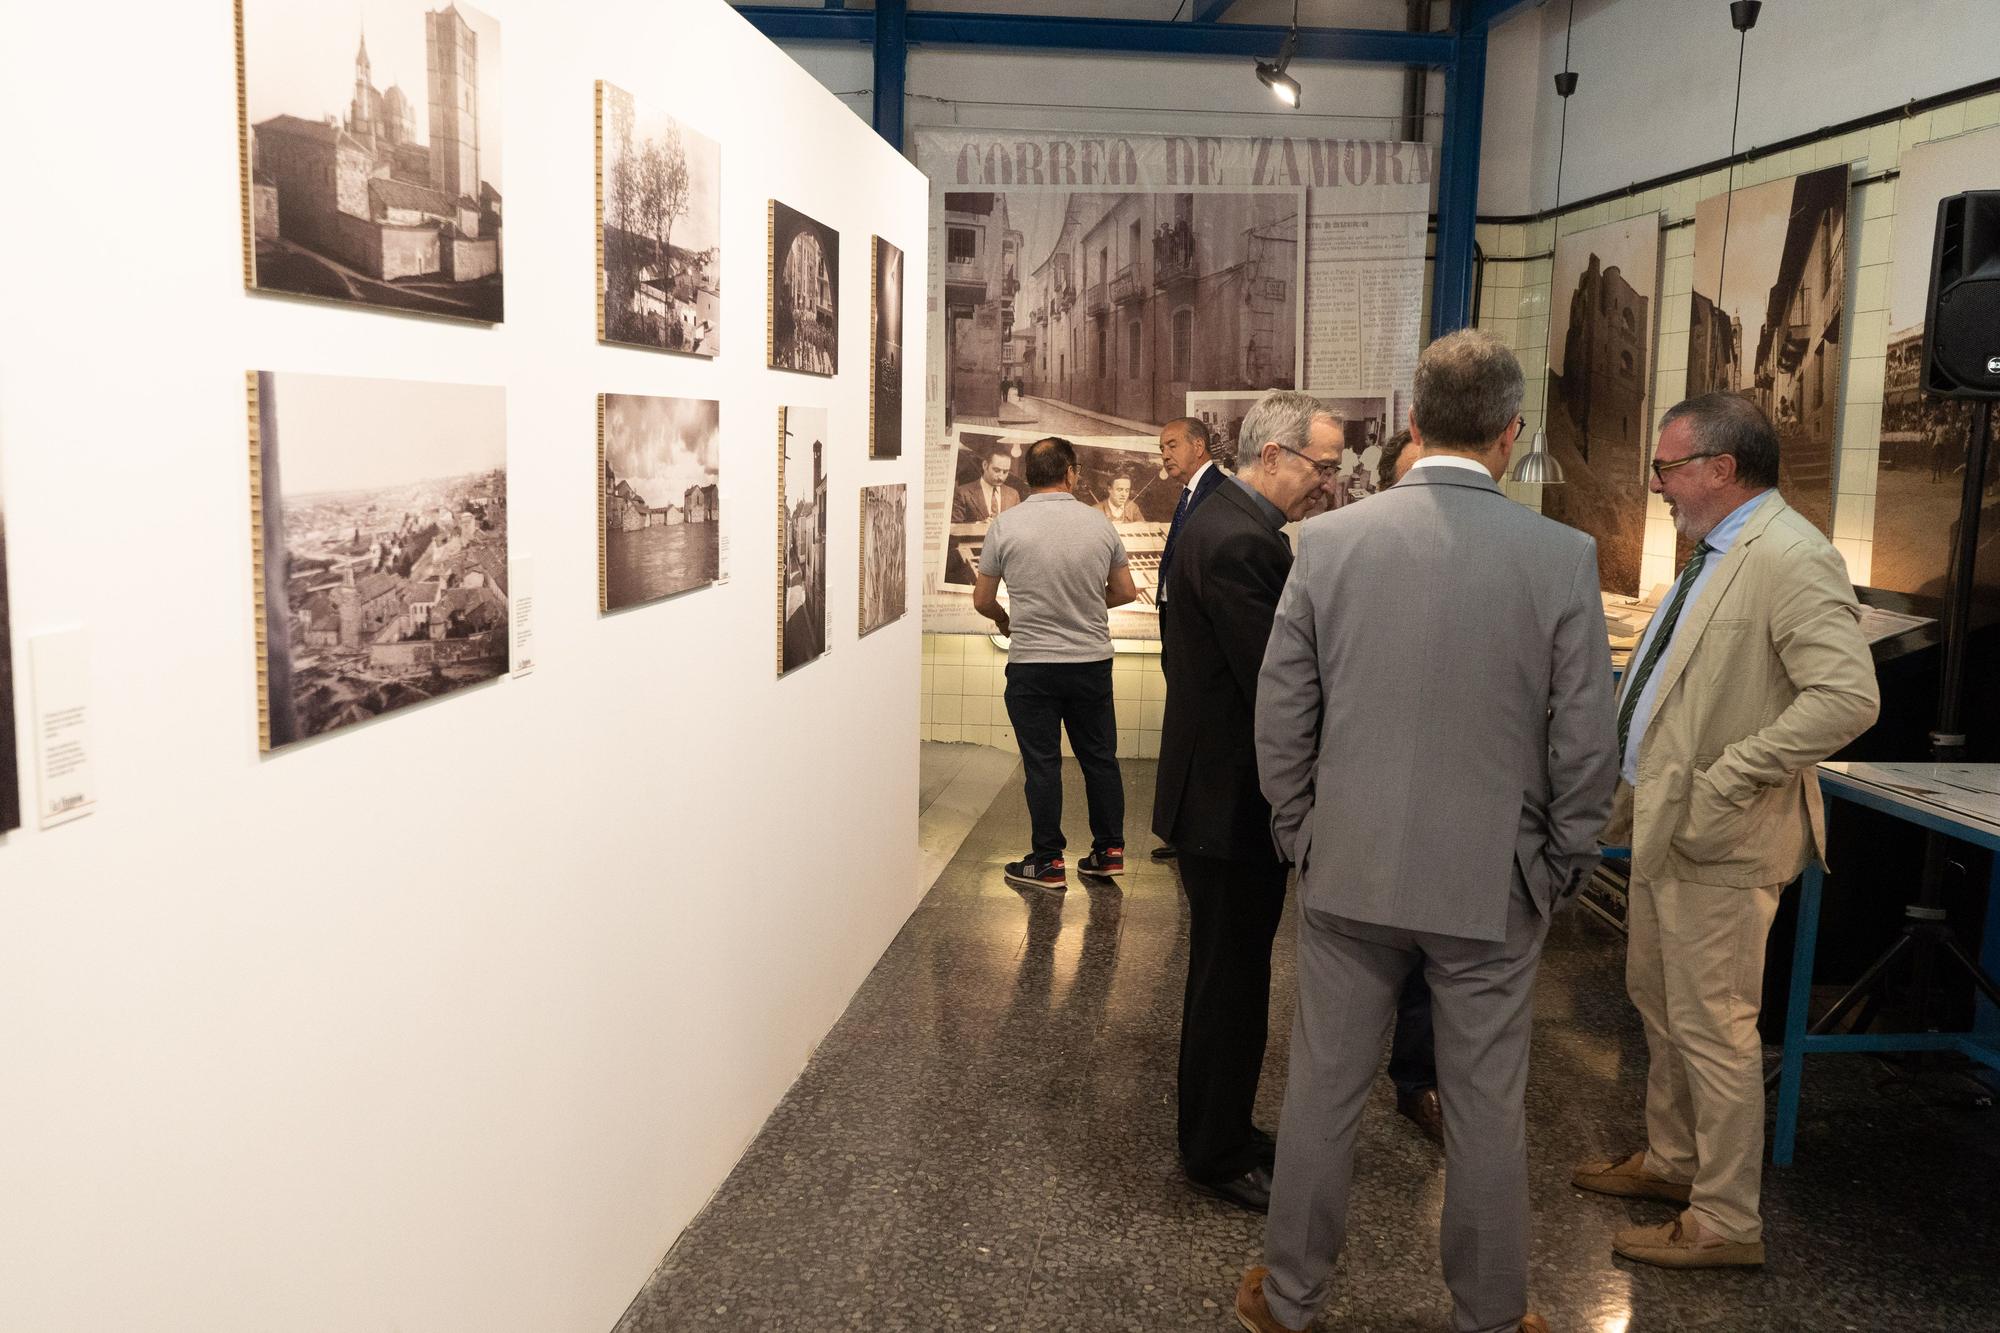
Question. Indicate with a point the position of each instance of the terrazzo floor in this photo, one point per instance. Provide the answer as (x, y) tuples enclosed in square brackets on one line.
[(985, 1141)]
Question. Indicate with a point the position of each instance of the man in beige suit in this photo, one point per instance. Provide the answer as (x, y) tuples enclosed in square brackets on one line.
[(1752, 672)]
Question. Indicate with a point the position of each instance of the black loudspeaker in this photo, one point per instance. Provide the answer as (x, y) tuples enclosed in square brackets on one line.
[(1962, 318)]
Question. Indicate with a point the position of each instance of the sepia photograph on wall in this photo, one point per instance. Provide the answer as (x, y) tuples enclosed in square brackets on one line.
[(379, 542), (659, 504), (1923, 441), (1603, 305), (885, 389), (885, 570), (370, 147), (1770, 286), (803, 319), (10, 761), (802, 619), (659, 229)]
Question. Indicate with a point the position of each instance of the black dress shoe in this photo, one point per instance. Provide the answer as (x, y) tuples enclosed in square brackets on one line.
[(1250, 1190), (1267, 1146), (1165, 852), (1423, 1109)]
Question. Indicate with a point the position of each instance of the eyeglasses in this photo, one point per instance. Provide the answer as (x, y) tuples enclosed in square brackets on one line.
[(1520, 426), (1660, 469), (1327, 468)]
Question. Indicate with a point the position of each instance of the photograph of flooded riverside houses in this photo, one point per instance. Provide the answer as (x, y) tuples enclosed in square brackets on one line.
[(885, 391), (659, 511), (885, 579), (380, 543), (804, 316), (371, 169), (1081, 314), (801, 536), (659, 217), (1602, 309), (1770, 281), (1923, 438), (10, 767)]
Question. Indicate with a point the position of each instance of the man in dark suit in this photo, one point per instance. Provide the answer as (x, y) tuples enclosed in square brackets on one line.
[(988, 495), (1185, 457), (1231, 565)]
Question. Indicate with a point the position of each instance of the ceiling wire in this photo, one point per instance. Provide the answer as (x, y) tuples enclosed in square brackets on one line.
[(1729, 195)]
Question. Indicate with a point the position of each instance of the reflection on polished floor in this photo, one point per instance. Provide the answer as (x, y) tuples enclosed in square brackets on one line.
[(985, 1142)]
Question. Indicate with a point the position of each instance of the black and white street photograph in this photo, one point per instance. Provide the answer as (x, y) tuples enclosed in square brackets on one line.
[(1770, 282), (885, 569), (885, 391), (659, 190), (802, 620), (372, 154), (1081, 314), (383, 542), (1364, 428), (1223, 414), (1602, 309), (10, 766), (1917, 487), (804, 328), (659, 505)]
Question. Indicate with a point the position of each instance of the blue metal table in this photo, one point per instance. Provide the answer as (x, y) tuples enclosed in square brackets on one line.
[(1894, 794)]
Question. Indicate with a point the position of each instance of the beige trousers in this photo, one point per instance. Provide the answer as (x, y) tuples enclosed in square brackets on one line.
[(1695, 968)]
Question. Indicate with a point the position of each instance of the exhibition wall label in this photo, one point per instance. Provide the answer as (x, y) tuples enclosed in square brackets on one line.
[(1097, 288)]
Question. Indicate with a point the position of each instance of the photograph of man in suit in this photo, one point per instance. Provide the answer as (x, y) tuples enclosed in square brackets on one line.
[(1752, 672), (1231, 564), (1434, 736), (1118, 504), (989, 494)]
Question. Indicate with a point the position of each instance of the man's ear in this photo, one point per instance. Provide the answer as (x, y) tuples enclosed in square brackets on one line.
[(1416, 435)]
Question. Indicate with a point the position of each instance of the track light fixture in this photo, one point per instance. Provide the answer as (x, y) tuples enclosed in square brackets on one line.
[(1271, 73)]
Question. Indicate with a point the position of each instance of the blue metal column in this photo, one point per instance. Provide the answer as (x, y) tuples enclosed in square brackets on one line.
[(1458, 182), (892, 56)]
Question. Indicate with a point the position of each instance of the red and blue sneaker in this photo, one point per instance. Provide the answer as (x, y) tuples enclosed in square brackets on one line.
[(1103, 863), (1045, 872)]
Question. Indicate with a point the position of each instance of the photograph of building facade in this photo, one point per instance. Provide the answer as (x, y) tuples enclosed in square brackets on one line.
[(1598, 420), (885, 389), (802, 624), (804, 293), (10, 765), (1096, 314), (1922, 470), (659, 202), (366, 193), (1770, 285), (658, 500), (885, 569), (381, 545)]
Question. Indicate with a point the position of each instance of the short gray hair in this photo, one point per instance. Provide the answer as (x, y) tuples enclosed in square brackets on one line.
[(1468, 391), (1283, 415), (1729, 423)]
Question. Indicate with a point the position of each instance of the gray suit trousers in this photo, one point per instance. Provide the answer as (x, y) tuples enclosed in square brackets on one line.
[(1349, 976)]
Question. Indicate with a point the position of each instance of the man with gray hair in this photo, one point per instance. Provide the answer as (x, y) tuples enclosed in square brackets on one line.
[(1752, 672), (1224, 590), (1434, 719)]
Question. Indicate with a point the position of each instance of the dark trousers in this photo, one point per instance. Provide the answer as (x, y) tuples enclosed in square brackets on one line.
[(1413, 1065), (1233, 911), (1043, 700)]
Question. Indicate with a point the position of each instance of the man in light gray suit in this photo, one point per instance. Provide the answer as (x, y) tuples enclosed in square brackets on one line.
[(1435, 737)]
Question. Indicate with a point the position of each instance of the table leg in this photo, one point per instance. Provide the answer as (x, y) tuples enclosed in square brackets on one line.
[(1792, 1070)]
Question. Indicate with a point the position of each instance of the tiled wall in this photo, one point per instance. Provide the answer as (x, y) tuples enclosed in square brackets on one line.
[(964, 676)]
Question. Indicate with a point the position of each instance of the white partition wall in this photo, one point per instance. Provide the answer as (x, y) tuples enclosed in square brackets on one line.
[(451, 1020)]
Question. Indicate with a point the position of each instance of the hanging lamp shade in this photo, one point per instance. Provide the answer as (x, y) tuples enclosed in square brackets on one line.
[(1538, 465)]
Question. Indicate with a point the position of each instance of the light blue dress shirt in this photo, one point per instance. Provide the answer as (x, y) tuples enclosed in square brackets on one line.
[(1719, 542)]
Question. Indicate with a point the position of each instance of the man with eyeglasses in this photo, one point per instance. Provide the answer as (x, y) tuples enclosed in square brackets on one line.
[(1223, 590), (1752, 672), (1433, 733)]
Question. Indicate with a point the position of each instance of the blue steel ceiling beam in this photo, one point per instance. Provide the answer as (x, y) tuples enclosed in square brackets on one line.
[(1458, 184), (1483, 14), (1131, 36), (892, 65)]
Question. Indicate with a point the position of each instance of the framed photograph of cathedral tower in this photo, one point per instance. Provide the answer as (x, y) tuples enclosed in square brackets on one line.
[(885, 385), (803, 327), (369, 143)]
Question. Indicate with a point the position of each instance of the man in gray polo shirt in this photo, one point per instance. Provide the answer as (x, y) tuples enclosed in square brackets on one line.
[(1064, 567)]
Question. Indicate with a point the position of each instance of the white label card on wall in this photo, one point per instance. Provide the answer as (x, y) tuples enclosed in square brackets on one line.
[(61, 664), (522, 570)]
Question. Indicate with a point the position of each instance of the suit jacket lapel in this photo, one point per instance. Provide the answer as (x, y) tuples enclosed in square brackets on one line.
[(1696, 617)]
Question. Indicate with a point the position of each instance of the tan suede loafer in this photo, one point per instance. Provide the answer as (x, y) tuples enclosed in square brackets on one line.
[(1252, 1310), (1628, 1178), (1674, 1245)]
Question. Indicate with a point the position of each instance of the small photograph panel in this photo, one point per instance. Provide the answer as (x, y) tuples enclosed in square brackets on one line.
[(804, 324), (659, 229), (802, 616), (659, 500), (885, 390), (885, 580)]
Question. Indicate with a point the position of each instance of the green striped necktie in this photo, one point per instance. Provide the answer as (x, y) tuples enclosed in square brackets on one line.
[(1635, 683)]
